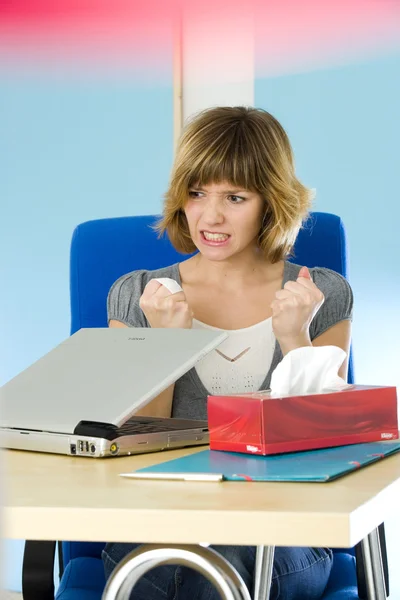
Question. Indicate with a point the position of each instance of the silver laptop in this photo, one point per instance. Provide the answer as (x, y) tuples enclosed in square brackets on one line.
[(80, 397)]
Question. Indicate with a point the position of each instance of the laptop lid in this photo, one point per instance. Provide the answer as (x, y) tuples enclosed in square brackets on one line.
[(102, 375)]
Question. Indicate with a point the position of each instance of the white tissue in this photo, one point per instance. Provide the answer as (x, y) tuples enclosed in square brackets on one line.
[(309, 370), (171, 285)]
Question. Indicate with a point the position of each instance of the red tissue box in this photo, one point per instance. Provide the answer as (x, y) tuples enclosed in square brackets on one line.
[(255, 423)]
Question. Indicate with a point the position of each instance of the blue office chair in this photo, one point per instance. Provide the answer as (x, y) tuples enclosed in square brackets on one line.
[(102, 251)]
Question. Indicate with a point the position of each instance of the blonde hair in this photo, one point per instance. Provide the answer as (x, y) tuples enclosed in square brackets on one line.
[(248, 148)]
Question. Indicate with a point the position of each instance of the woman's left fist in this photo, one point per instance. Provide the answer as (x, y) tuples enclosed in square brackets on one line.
[(293, 309)]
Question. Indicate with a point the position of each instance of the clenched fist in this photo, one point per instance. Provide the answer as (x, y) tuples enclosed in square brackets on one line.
[(293, 309), (163, 309)]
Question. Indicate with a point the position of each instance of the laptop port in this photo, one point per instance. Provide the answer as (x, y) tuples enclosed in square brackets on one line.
[(81, 446), (114, 448), (92, 448), (86, 446), (72, 448)]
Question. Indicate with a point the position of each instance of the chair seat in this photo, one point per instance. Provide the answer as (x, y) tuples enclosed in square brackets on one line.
[(83, 579), (342, 584)]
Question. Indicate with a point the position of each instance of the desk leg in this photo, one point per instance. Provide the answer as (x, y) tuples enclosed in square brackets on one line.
[(206, 561), (263, 572), (374, 575)]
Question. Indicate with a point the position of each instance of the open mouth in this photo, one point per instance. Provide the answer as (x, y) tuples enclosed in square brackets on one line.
[(215, 238)]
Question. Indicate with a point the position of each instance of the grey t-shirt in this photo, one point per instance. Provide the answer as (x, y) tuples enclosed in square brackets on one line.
[(190, 395)]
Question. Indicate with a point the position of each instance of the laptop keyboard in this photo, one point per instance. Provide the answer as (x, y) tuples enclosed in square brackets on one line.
[(136, 425), (129, 428), (150, 425)]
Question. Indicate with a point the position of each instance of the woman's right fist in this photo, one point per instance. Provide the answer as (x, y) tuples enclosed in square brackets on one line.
[(163, 309)]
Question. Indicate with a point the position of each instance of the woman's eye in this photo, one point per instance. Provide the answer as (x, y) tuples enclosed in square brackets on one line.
[(193, 194), (237, 199)]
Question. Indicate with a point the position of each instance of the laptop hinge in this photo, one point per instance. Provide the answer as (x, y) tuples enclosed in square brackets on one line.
[(96, 429)]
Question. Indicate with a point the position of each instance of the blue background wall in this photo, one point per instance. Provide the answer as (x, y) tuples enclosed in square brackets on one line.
[(70, 151), (345, 129)]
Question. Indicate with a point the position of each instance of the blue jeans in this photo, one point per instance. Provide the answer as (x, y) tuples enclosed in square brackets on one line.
[(298, 574)]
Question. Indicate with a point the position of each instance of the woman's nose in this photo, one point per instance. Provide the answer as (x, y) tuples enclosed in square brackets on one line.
[(213, 212)]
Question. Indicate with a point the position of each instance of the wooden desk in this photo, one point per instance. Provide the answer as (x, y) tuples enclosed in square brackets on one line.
[(51, 497)]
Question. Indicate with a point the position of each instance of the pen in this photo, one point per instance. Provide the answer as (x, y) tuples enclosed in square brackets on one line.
[(206, 477)]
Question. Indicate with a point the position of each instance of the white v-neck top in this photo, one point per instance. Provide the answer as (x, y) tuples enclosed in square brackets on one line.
[(240, 364)]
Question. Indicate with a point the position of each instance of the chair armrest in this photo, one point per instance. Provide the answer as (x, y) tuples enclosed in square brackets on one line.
[(38, 570), (361, 582)]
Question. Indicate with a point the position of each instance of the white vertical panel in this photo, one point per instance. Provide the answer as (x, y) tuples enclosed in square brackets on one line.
[(217, 60)]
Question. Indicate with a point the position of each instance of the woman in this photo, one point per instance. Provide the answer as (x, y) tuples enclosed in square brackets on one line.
[(235, 198)]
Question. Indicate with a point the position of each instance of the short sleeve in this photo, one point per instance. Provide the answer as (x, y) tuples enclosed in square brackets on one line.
[(123, 300), (338, 304)]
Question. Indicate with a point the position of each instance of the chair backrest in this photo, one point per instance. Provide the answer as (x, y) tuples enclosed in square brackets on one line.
[(103, 250)]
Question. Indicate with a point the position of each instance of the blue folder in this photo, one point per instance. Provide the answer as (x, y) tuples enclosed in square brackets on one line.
[(312, 465)]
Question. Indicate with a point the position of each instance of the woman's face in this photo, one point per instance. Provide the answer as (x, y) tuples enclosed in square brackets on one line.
[(224, 221)]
